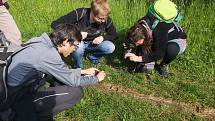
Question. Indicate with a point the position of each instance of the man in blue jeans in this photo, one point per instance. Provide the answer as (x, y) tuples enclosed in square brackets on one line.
[(97, 28)]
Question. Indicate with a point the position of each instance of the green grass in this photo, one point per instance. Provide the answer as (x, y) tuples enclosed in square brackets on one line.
[(192, 77), (104, 107)]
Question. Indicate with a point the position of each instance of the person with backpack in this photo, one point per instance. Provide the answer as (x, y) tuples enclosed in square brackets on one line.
[(8, 25), (39, 57), (155, 37), (97, 29)]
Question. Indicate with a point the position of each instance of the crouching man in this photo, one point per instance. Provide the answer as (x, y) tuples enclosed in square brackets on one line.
[(97, 29), (42, 56)]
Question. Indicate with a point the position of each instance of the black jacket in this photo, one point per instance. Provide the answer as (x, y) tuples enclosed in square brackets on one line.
[(161, 35), (81, 17)]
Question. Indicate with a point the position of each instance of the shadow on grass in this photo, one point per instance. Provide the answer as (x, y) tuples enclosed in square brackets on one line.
[(116, 60)]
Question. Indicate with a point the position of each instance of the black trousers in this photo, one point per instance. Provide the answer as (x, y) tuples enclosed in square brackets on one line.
[(43, 104), (171, 53), (51, 101)]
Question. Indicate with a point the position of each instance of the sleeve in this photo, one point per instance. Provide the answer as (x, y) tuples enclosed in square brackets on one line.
[(160, 39), (110, 30), (71, 77), (88, 80), (71, 18)]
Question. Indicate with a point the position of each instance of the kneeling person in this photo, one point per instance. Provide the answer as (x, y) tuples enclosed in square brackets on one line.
[(97, 28)]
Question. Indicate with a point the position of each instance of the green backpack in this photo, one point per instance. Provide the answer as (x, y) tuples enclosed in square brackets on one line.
[(164, 11)]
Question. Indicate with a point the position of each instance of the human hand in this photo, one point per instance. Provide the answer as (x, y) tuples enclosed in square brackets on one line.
[(129, 55), (89, 71), (101, 75), (124, 46), (133, 57), (98, 40), (84, 35)]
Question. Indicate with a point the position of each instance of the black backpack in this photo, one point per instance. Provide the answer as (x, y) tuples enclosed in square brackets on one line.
[(4, 54), (5, 60)]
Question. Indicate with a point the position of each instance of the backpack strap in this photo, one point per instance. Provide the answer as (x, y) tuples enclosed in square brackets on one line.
[(108, 24), (84, 11), (3, 85), (175, 27), (4, 71), (24, 46), (5, 50), (3, 40), (155, 23), (147, 27), (152, 21)]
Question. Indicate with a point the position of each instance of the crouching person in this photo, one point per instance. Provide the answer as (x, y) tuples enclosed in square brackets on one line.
[(144, 47), (97, 29), (42, 56), (157, 37)]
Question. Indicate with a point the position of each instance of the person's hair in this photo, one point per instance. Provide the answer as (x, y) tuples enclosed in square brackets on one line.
[(63, 32), (138, 32), (100, 7)]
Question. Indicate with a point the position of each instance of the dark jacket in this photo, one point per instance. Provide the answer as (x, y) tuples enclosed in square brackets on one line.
[(162, 33), (81, 17)]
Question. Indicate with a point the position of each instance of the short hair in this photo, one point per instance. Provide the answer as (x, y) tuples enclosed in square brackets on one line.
[(100, 7), (62, 32)]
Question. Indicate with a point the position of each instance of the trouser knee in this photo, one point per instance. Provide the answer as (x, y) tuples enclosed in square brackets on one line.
[(172, 49), (109, 47), (79, 93)]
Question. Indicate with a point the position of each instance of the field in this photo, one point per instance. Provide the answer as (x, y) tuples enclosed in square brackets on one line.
[(187, 94)]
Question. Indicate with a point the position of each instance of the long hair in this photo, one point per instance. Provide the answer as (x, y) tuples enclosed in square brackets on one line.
[(138, 32), (69, 32)]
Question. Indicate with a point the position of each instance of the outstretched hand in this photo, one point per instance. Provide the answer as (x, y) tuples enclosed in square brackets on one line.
[(101, 76), (84, 35)]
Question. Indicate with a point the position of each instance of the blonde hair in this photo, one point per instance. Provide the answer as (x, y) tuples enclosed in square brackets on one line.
[(100, 7)]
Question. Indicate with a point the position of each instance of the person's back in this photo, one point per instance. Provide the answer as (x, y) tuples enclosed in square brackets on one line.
[(25, 67), (42, 56)]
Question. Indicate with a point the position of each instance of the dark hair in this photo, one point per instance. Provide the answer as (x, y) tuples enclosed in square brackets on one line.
[(138, 32), (64, 32)]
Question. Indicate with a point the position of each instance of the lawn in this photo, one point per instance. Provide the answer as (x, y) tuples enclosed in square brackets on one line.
[(191, 81)]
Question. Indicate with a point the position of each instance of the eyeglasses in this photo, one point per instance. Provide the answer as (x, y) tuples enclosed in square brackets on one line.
[(100, 18), (76, 45)]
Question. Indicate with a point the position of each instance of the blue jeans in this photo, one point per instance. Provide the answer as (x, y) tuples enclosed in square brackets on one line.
[(95, 51)]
